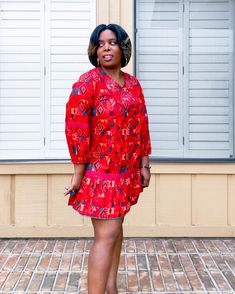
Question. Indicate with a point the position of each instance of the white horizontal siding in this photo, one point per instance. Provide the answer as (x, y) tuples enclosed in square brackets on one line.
[(18, 1), (209, 102), (201, 111), (158, 69), (69, 27), (21, 130), (8, 128), (151, 6), (35, 35), (210, 69)]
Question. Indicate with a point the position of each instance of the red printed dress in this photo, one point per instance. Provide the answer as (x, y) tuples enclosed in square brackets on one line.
[(107, 129)]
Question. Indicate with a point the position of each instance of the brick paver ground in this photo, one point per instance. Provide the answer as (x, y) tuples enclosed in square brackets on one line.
[(148, 265)]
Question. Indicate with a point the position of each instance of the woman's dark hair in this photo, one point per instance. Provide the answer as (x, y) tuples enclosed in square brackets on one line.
[(123, 41)]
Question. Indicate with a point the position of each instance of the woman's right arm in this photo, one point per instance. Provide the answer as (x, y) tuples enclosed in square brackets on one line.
[(77, 129), (76, 180), (77, 122)]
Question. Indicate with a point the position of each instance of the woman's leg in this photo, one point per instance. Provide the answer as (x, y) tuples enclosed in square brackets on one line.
[(100, 258), (111, 286)]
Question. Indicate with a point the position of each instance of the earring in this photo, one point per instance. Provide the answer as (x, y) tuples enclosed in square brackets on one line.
[(98, 62), (126, 60)]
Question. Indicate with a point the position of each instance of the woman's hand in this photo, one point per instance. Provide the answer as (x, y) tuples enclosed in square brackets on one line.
[(76, 179), (145, 171), (74, 185), (145, 174)]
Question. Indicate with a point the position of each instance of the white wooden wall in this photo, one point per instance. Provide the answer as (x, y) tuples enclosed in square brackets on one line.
[(191, 199), (182, 200)]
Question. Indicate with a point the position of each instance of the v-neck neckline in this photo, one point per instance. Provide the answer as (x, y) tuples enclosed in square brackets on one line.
[(115, 82)]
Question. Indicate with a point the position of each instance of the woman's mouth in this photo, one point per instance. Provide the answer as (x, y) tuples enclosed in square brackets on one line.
[(108, 57)]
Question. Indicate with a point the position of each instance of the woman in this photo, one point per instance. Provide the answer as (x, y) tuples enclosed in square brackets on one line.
[(108, 140)]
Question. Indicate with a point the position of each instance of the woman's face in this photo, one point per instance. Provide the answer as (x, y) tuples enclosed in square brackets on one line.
[(109, 52)]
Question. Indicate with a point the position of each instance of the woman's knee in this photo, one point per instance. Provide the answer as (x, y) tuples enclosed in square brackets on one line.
[(109, 236), (109, 232)]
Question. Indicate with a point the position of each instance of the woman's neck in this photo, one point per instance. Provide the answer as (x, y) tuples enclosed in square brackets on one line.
[(116, 73)]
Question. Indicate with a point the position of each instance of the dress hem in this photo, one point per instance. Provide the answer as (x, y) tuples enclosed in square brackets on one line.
[(103, 218)]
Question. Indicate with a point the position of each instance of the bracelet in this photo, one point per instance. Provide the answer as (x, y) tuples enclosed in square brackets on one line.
[(145, 166)]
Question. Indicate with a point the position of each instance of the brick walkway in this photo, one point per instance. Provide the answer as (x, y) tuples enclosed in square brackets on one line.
[(148, 265)]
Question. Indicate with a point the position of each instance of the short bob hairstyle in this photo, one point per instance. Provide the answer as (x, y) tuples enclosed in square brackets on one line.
[(123, 41)]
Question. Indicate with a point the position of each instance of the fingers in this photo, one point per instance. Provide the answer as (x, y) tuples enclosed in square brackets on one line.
[(74, 185), (69, 190), (145, 174), (66, 191), (145, 182)]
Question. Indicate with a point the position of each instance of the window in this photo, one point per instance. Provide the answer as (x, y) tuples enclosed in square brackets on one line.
[(43, 51), (184, 61)]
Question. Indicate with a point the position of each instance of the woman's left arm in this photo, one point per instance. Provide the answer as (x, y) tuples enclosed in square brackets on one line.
[(145, 148), (145, 171)]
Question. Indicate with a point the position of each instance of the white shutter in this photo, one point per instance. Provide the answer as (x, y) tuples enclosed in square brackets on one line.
[(159, 70), (69, 25), (191, 111), (209, 108), (21, 84), (43, 51)]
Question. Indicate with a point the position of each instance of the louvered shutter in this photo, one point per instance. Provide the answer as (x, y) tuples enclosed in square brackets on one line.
[(43, 51), (21, 84), (191, 111), (209, 109), (158, 65), (69, 26)]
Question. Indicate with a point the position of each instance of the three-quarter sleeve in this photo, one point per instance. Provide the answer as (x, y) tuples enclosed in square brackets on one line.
[(77, 121), (145, 148)]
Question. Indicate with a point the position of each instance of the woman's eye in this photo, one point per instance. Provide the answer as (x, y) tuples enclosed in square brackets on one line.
[(112, 43)]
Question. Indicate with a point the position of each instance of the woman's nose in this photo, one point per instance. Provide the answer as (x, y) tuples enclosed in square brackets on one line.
[(106, 46)]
